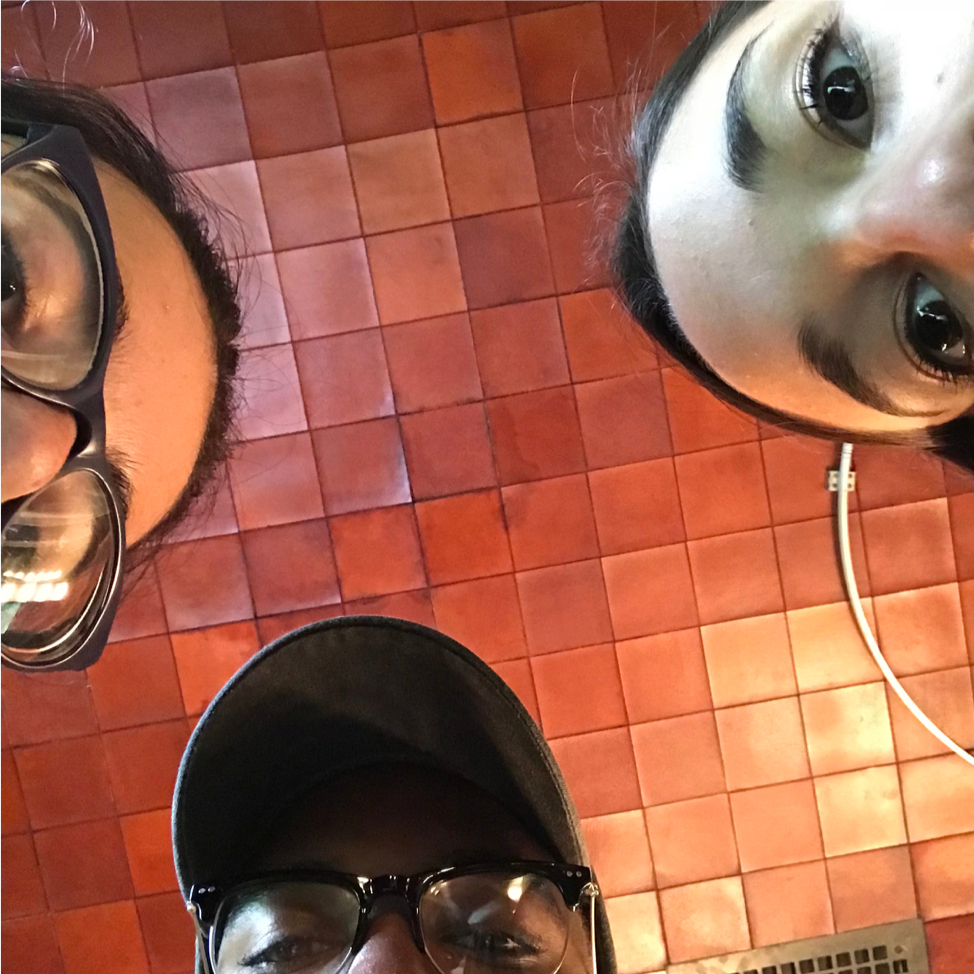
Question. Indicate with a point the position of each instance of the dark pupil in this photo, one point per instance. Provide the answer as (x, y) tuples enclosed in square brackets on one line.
[(845, 94), (937, 326), (10, 285)]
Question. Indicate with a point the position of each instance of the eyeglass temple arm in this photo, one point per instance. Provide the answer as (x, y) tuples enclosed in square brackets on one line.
[(592, 891)]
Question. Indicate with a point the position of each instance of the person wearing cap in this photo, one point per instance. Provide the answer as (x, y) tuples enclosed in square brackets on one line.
[(366, 795)]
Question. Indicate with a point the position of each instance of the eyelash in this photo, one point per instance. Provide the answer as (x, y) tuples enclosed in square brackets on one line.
[(922, 364)]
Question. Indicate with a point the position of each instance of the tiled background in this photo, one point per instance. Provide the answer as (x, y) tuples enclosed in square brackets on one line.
[(447, 419)]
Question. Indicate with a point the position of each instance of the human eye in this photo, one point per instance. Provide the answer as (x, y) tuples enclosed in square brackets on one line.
[(834, 87), (939, 339), (498, 948), (287, 954), (14, 289)]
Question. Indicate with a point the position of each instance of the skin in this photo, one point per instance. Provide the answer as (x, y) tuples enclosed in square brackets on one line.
[(160, 380), (836, 231)]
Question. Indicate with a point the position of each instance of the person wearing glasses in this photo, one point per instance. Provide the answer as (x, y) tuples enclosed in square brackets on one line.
[(367, 795), (119, 320), (800, 230)]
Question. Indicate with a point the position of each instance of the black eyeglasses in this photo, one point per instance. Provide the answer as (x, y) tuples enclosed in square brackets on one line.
[(63, 545), (483, 919)]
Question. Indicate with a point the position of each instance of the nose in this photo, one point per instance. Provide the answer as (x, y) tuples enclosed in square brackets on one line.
[(389, 949), (37, 439)]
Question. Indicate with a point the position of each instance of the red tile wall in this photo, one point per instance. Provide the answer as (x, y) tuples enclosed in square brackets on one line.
[(448, 419)]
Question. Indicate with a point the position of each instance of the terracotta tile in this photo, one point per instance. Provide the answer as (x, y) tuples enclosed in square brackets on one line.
[(519, 347), (776, 825), (236, 188), (967, 608), (142, 763), (947, 698), (381, 89), (600, 771), (199, 118), (432, 363), (753, 753), (416, 273), (796, 468), (83, 864), (37, 710), (678, 758), (344, 378), (515, 7), (414, 606), (275, 481), (437, 14), (207, 658), (637, 932), (399, 181), (148, 845), (735, 576), (938, 797), (887, 475), (28, 943), (22, 52), (943, 876), (860, 810), (264, 318), (564, 607), (663, 675), (504, 257), (950, 944), (619, 850), (272, 401), (516, 673), (574, 242), (102, 938), (704, 919), (377, 552), (464, 537), (64, 782), (579, 691), (260, 31), (178, 40), (536, 435), (909, 546), (212, 514), (804, 888), (186, 577), (484, 615), (23, 890), (168, 933), (636, 506), (472, 71), (351, 23), (698, 420), (14, 811), (143, 663), (623, 420), (958, 480), (273, 627), (133, 99), (361, 466), (602, 340), (650, 591), (872, 887), (562, 55), (961, 510), (692, 840), (141, 612), (550, 522), (289, 104)]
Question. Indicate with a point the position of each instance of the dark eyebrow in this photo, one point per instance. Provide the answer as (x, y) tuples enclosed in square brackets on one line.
[(745, 149), (830, 359), (119, 466)]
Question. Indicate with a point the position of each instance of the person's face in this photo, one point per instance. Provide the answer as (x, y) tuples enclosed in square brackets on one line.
[(403, 820), (160, 379), (833, 278)]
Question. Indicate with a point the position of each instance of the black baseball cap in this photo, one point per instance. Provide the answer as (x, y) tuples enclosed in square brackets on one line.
[(349, 693)]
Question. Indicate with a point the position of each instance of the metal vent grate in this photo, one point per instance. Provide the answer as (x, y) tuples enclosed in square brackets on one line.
[(892, 948)]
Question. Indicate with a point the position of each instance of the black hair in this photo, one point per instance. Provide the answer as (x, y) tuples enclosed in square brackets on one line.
[(114, 139), (638, 283)]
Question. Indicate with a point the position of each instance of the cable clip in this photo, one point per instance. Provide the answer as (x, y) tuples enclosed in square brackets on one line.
[(832, 483)]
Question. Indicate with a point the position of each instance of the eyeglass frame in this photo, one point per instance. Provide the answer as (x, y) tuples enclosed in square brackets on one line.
[(64, 148), (574, 882)]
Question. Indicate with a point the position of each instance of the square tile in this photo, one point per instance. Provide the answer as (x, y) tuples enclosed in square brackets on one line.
[(536, 435), (210, 515), (847, 728), (104, 938), (703, 919), (464, 537), (637, 932), (938, 797), (942, 869), (804, 888), (564, 607), (961, 508), (776, 825), (28, 943), (148, 844), (663, 675), (472, 70), (448, 451), (574, 245), (700, 421), (870, 888), (623, 420), (272, 401), (550, 522), (273, 627), (484, 615), (361, 466), (644, 40), (692, 840), (236, 188), (678, 758), (14, 810), (381, 89), (344, 378), (519, 347), (516, 673), (399, 181), (796, 469), (950, 944), (192, 37), (432, 363), (261, 30), (377, 552), (578, 691), (142, 763), (412, 606), (264, 318), (888, 475), (860, 810), (416, 273), (207, 658), (504, 257), (23, 890), (350, 23), (21, 44), (600, 771), (619, 850), (749, 660), (650, 591), (438, 14), (134, 101), (35, 711), (168, 933), (762, 743), (947, 698)]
